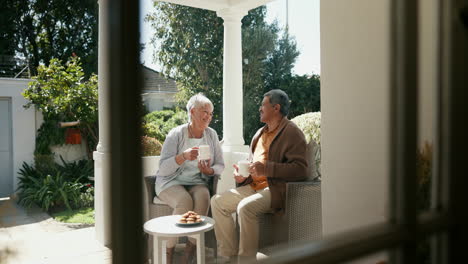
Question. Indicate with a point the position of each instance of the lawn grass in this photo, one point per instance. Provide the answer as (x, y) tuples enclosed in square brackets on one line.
[(83, 216)]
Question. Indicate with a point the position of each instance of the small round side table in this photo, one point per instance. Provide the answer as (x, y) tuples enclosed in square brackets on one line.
[(164, 227)]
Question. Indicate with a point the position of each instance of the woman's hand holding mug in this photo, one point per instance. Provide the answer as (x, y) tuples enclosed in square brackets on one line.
[(204, 166), (190, 154)]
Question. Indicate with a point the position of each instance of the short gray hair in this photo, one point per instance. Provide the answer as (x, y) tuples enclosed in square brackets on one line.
[(196, 101), (278, 96)]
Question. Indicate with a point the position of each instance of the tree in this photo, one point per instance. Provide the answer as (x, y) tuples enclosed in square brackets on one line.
[(7, 43), (189, 45), (46, 29), (61, 93), (304, 93), (281, 62), (8, 65)]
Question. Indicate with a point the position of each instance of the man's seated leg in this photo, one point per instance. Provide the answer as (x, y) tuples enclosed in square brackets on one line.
[(222, 207), (249, 210)]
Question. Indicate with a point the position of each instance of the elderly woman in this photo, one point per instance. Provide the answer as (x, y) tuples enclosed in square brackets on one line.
[(182, 179)]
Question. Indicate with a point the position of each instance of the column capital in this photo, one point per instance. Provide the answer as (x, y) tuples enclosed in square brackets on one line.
[(232, 14)]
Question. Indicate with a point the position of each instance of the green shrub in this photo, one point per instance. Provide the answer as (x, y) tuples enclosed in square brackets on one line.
[(81, 170), (157, 124), (86, 197), (153, 130), (48, 134), (50, 185), (49, 191), (62, 93), (150, 146), (310, 124)]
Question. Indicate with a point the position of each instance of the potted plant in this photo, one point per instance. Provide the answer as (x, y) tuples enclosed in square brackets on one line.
[(151, 149)]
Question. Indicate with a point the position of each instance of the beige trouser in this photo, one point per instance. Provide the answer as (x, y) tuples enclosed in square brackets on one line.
[(249, 204), (186, 198)]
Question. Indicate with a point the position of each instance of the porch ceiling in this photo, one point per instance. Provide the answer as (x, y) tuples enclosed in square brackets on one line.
[(218, 5)]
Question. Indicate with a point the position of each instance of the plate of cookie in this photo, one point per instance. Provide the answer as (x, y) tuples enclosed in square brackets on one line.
[(190, 218)]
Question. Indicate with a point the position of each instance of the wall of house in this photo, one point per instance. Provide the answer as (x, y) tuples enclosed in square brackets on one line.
[(23, 124), (157, 101), (355, 94)]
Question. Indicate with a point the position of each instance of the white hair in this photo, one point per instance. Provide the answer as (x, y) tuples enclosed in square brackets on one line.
[(196, 101)]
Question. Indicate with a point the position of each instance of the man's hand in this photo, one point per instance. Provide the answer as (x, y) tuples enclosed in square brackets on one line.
[(237, 177), (204, 166), (257, 169)]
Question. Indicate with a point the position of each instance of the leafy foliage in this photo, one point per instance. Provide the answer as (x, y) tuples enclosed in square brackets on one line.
[(61, 93), (304, 93), (49, 191), (157, 124), (53, 185), (150, 146), (40, 30), (86, 199), (310, 124), (49, 134), (80, 170)]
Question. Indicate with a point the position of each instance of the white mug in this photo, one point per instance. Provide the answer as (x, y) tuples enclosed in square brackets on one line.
[(204, 152), (244, 168)]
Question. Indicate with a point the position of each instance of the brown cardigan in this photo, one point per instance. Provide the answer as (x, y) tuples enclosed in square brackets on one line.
[(286, 161)]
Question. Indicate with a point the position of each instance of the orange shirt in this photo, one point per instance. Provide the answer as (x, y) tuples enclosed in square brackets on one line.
[(261, 154)]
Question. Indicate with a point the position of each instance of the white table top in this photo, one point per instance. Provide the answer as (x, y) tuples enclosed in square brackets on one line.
[(166, 226)]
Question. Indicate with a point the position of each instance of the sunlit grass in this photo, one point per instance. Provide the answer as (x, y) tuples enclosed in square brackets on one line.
[(83, 216)]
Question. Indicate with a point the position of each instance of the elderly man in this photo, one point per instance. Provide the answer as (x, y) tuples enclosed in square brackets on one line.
[(277, 153)]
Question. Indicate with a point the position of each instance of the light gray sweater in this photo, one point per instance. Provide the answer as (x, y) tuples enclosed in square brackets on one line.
[(173, 145)]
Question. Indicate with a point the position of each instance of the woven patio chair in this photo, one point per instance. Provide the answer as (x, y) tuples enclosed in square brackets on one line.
[(302, 220)]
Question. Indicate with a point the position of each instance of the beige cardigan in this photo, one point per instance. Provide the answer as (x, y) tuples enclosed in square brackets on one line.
[(286, 161)]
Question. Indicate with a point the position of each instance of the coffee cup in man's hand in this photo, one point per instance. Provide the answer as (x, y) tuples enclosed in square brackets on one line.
[(243, 168)]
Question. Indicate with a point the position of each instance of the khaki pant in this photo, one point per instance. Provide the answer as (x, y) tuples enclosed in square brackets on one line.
[(186, 198), (249, 205)]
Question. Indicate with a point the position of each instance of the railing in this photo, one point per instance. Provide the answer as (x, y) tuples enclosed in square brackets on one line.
[(13, 67)]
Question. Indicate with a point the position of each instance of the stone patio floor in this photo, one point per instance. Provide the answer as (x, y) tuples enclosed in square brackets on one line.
[(30, 236)]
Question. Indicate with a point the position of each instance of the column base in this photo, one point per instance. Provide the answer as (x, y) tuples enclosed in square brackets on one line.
[(102, 199)]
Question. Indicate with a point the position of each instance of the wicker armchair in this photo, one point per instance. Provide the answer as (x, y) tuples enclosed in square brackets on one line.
[(156, 208), (302, 220)]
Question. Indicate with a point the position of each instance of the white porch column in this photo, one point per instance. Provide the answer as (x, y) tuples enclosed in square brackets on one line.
[(101, 155), (232, 93), (232, 79)]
